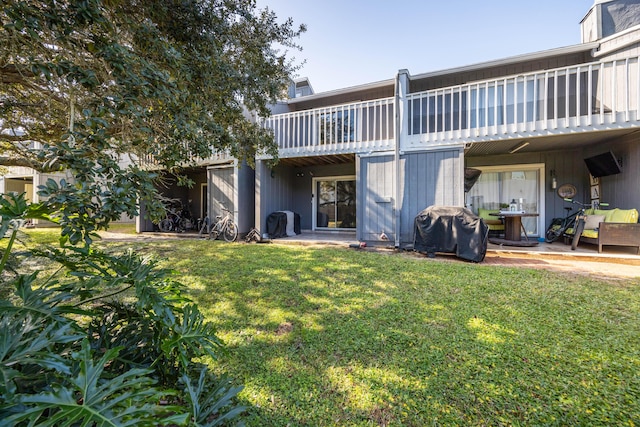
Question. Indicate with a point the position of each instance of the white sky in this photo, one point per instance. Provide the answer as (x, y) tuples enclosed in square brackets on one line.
[(353, 42)]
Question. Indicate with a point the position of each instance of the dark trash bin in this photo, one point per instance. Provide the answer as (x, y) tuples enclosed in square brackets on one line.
[(450, 229)]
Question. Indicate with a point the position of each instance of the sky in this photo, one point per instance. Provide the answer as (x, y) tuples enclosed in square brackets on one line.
[(354, 42)]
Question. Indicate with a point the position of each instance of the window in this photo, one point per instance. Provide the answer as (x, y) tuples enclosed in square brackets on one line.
[(498, 186)]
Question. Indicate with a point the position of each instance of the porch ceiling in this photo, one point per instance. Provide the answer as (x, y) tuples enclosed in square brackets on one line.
[(546, 143), (334, 159)]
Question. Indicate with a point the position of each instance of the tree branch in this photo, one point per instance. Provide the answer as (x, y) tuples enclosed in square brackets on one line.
[(12, 74), (5, 137), (11, 161)]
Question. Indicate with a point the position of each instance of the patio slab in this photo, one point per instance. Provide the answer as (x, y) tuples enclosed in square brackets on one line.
[(557, 248), (613, 263)]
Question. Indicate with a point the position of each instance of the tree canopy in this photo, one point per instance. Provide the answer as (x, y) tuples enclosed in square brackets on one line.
[(84, 84), (97, 88)]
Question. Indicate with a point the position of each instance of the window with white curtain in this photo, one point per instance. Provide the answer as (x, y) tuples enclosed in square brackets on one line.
[(498, 186)]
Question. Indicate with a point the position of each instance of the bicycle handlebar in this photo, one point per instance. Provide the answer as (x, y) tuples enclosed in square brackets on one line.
[(583, 204)]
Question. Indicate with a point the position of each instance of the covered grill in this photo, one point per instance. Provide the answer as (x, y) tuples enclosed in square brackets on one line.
[(451, 229)]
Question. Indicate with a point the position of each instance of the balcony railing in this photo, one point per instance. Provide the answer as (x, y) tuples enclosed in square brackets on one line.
[(348, 128), (588, 95), (149, 161)]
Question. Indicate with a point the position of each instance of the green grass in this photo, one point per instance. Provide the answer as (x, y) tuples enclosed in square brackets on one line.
[(338, 337), (122, 227), (323, 337)]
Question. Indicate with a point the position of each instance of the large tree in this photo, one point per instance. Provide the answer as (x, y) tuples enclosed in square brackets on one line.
[(85, 83)]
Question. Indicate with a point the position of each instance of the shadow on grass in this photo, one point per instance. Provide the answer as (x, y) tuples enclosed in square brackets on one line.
[(325, 337)]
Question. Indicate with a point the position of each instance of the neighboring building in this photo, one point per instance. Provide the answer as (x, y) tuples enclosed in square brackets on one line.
[(19, 179), (367, 159), (219, 182)]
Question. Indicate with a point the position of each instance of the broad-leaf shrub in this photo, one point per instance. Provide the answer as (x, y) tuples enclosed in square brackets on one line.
[(99, 339)]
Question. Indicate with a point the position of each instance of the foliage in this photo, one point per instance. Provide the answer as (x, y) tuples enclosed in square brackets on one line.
[(103, 89), (101, 93), (75, 351), (200, 396), (331, 336), (126, 400)]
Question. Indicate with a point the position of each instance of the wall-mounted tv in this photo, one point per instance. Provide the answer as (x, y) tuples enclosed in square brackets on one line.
[(603, 164)]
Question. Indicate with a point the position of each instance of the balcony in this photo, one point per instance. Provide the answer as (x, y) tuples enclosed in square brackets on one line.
[(349, 128), (599, 95), (587, 97)]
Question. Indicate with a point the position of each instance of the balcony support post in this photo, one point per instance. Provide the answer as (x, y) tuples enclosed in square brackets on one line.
[(401, 87)]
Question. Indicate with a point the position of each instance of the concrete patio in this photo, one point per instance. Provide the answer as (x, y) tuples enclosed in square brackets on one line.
[(345, 238)]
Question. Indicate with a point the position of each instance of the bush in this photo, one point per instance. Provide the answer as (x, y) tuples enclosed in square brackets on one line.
[(93, 338)]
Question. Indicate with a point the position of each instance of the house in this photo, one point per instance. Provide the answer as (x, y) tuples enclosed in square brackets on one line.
[(220, 182), (367, 159)]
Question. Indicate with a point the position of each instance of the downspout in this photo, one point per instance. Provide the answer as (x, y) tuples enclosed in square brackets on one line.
[(399, 107)]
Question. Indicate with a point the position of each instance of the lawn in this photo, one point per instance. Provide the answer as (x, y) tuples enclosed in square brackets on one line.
[(342, 337), (339, 337)]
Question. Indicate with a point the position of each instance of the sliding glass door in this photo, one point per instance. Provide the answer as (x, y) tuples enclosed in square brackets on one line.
[(335, 202), (499, 186)]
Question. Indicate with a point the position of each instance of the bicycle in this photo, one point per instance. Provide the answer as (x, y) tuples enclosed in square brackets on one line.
[(177, 219), (203, 225), (224, 226), (187, 222), (171, 220), (559, 226)]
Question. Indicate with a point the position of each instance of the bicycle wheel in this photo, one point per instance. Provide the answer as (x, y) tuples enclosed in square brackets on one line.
[(576, 233), (214, 232), (230, 232), (184, 224), (553, 233), (166, 225)]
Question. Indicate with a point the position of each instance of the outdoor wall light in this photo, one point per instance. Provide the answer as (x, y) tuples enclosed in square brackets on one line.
[(554, 181)]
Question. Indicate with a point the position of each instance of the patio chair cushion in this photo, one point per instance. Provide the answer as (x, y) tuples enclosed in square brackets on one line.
[(606, 212), (493, 222), (624, 215), (592, 222), (593, 234)]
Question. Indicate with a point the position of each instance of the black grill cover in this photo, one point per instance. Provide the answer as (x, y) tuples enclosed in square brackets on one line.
[(277, 224), (451, 230)]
